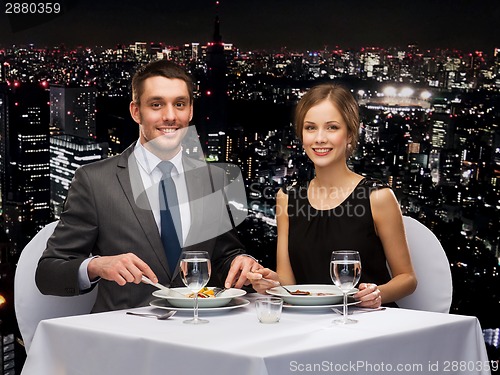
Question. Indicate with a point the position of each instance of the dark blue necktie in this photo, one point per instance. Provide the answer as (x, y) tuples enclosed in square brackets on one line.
[(171, 228)]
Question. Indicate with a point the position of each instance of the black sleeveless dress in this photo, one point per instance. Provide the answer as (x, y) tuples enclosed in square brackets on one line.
[(314, 234)]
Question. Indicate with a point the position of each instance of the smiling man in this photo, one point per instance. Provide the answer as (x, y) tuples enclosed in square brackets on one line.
[(161, 106), (110, 235)]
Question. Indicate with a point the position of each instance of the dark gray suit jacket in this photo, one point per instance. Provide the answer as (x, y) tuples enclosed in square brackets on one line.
[(104, 215)]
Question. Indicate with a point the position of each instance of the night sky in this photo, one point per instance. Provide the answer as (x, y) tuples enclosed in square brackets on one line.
[(267, 24)]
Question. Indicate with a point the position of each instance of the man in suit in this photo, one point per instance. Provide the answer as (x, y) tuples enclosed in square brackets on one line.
[(109, 231)]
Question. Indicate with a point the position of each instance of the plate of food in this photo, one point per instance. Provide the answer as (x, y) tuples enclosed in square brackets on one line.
[(310, 294), (350, 302), (232, 304), (184, 297)]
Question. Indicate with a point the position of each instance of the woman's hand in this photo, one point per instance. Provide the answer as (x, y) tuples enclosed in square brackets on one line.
[(369, 295), (263, 279)]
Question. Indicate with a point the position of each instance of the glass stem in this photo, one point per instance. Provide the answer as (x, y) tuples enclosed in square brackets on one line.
[(195, 306), (345, 307)]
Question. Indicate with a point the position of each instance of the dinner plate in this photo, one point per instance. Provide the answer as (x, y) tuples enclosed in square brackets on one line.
[(233, 304), (332, 294), (350, 302), (179, 298)]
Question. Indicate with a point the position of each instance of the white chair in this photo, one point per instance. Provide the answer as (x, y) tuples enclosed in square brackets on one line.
[(32, 306), (434, 290)]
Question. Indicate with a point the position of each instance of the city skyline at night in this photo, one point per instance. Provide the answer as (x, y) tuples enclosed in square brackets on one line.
[(273, 25), (428, 88)]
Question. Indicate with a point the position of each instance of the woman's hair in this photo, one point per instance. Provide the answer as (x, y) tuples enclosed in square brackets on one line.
[(341, 98), (162, 68)]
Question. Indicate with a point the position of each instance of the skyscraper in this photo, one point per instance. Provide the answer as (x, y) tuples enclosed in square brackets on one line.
[(213, 104), (67, 153), (4, 146), (73, 110), (25, 162), (440, 123), (73, 113)]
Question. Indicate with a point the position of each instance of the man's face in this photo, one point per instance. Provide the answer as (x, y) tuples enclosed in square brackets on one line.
[(163, 115)]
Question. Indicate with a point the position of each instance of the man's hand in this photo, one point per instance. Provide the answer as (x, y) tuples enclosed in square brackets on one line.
[(237, 275), (122, 269)]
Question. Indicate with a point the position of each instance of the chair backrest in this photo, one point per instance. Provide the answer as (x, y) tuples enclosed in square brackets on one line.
[(31, 305), (434, 290)]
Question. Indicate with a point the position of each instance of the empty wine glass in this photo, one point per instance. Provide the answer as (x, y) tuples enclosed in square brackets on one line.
[(195, 271), (345, 271)]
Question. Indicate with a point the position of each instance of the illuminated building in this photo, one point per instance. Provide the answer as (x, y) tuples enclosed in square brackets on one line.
[(67, 153), (441, 138), (156, 51), (4, 146), (73, 110), (314, 64), (372, 133), (216, 150), (3, 70), (192, 51), (450, 167), (372, 60), (496, 161), (25, 156), (439, 129), (413, 148), (140, 49)]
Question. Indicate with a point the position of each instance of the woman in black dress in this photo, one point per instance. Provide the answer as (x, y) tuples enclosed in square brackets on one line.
[(338, 209)]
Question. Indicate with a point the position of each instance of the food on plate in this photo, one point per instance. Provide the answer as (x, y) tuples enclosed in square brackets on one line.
[(306, 293), (203, 293), (301, 293)]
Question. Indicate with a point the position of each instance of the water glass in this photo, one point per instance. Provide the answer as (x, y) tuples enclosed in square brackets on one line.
[(195, 272), (345, 271), (268, 309)]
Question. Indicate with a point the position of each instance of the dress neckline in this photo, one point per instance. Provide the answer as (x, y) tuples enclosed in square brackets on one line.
[(337, 206)]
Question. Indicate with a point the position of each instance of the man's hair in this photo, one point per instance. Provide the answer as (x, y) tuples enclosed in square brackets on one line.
[(162, 68), (341, 98)]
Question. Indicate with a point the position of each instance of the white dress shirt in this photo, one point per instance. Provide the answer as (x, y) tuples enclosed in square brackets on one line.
[(151, 177)]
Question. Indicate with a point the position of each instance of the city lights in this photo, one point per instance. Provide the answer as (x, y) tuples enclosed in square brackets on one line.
[(390, 91), (425, 95), (406, 92), (430, 129)]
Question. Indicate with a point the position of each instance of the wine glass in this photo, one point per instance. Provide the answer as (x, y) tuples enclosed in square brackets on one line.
[(195, 271), (345, 271)]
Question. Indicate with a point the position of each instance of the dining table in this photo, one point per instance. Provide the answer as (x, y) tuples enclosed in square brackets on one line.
[(304, 341)]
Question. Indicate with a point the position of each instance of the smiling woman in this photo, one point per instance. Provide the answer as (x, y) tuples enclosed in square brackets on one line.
[(338, 209)]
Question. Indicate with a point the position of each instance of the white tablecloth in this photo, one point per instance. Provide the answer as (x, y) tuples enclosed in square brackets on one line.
[(234, 342)]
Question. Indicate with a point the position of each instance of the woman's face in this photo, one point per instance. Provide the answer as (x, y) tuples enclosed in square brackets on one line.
[(324, 134)]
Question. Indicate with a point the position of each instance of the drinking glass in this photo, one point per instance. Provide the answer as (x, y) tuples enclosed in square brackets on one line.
[(345, 271), (195, 271), (268, 309)]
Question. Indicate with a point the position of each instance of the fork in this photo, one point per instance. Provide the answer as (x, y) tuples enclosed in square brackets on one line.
[(277, 283), (218, 291)]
